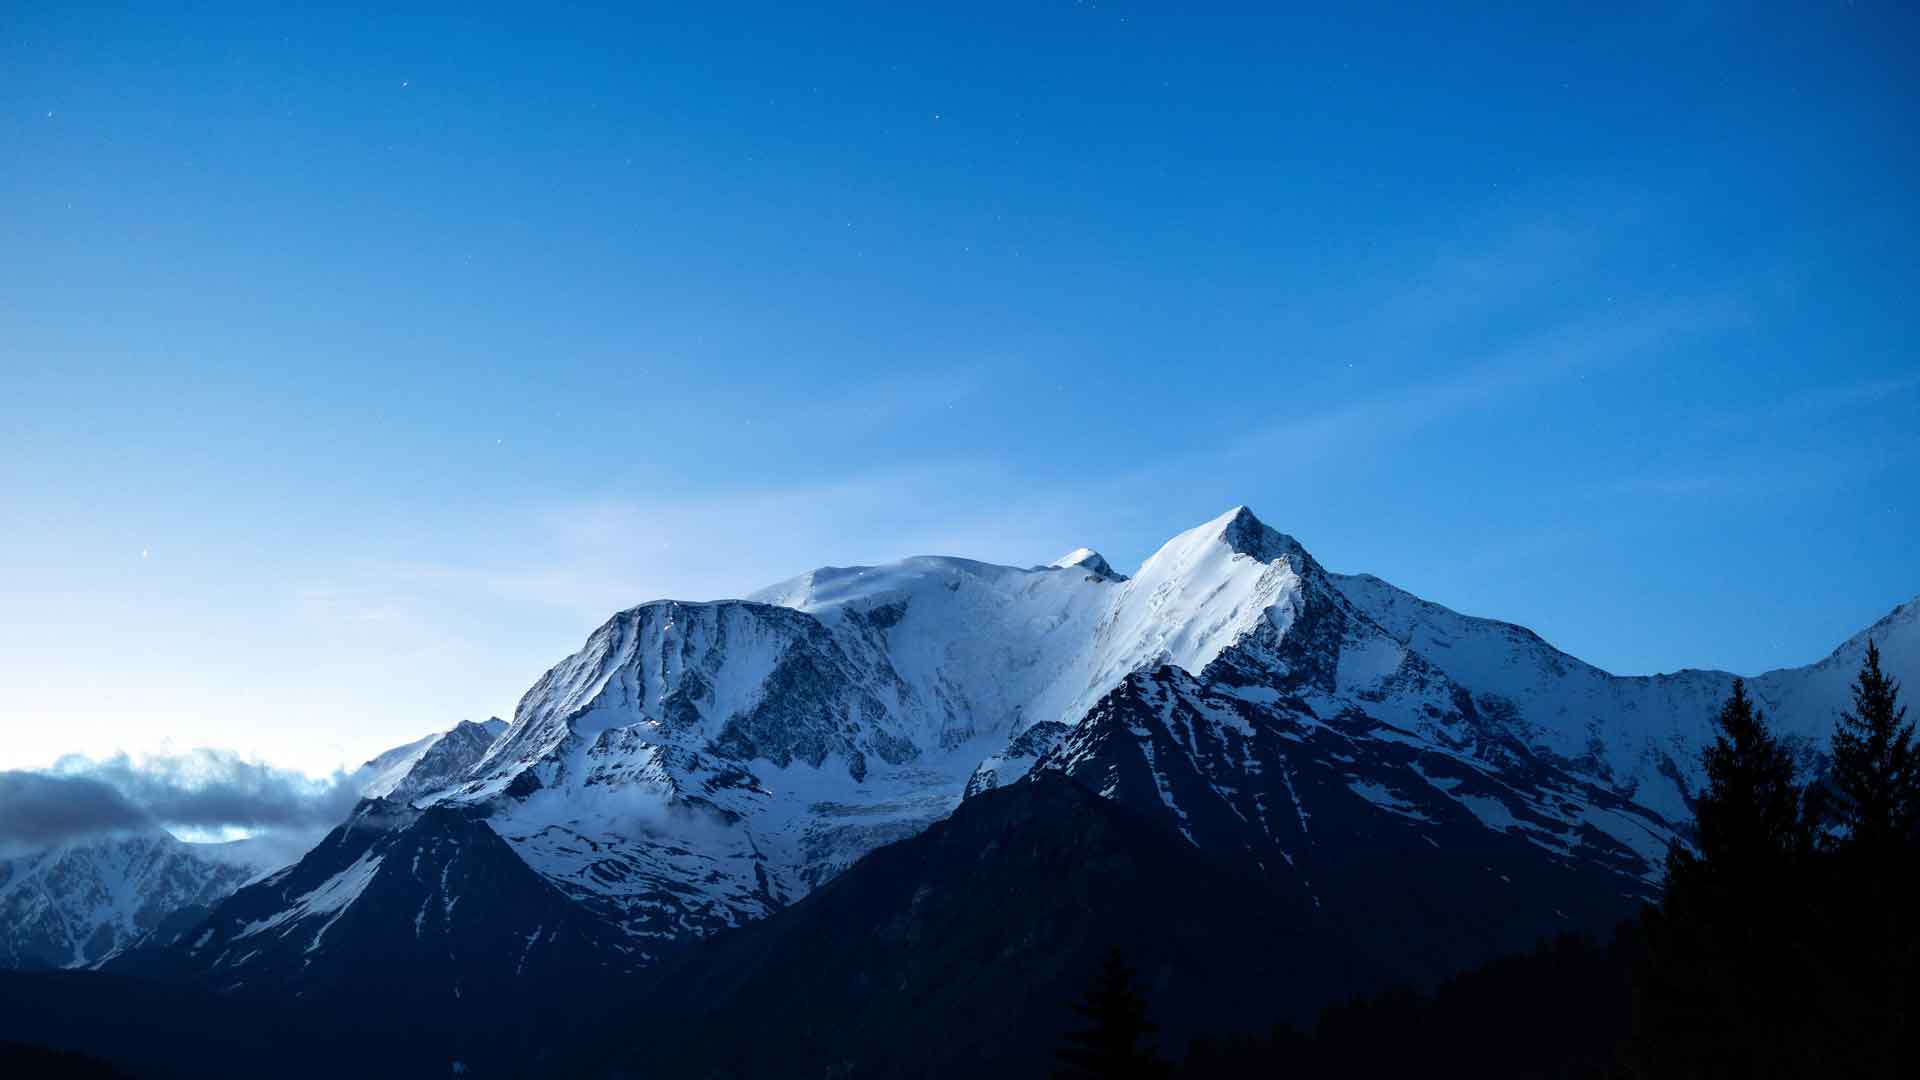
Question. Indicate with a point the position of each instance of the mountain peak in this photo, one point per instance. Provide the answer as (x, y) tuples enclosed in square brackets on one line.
[(492, 727), (1086, 559), (1243, 534), (1241, 522)]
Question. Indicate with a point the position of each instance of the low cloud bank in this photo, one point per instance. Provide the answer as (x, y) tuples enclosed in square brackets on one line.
[(204, 790), (40, 810)]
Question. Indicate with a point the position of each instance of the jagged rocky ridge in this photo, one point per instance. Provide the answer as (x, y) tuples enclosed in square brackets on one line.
[(431, 764), (700, 766)]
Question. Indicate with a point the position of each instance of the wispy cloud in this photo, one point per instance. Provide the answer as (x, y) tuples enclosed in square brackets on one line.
[(1757, 451), (1757, 474), (1821, 401), (880, 403), (1465, 282), (589, 556), (1571, 351), (397, 629)]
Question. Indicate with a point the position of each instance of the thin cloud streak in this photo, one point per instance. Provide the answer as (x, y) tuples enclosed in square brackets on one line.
[(597, 555), (1756, 476), (1868, 393), (1570, 352)]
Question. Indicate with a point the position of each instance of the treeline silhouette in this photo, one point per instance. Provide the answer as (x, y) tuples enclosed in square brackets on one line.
[(1786, 943), (42, 1063)]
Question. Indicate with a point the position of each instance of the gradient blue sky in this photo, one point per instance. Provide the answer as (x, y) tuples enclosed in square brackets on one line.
[(357, 364)]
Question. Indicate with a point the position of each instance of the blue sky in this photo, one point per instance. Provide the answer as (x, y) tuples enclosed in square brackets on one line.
[(356, 364)]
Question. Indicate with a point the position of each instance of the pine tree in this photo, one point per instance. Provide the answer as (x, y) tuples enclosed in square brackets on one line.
[(1723, 988), (1869, 899), (1875, 772), (1751, 815), (1114, 1044)]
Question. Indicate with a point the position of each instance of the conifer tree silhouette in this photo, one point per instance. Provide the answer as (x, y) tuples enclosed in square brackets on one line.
[(1114, 1043), (1726, 988), (1876, 775), (1868, 898)]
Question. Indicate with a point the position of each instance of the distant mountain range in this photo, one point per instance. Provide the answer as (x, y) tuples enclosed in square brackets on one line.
[(1413, 789), (77, 904)]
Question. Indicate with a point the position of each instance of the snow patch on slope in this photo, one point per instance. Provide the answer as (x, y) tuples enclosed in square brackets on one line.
[(330, 896)]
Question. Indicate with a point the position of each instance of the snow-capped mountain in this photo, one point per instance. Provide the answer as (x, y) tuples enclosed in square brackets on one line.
[(699, 765), (74, 905)]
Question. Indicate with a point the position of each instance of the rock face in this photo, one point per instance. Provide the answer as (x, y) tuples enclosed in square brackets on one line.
[(1437, 786), (430, 764)]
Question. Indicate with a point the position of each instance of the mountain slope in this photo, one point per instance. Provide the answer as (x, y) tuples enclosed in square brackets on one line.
[(451, 913), (957, 952), (1428, 858)]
